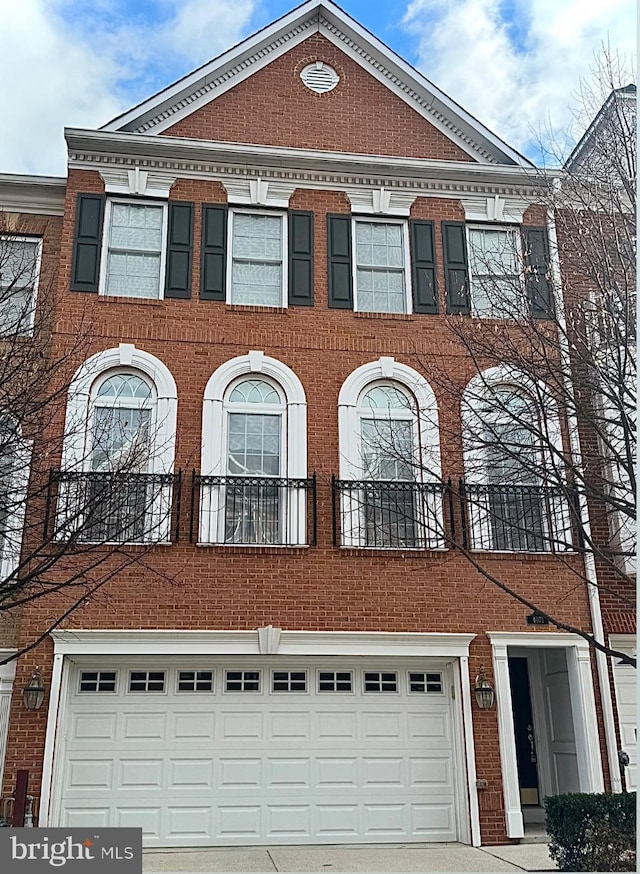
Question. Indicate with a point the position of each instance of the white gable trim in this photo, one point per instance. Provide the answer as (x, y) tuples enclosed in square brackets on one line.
[(184, 97)]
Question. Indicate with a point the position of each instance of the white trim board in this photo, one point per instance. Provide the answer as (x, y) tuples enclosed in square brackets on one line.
[(583, 709), (180, 642)]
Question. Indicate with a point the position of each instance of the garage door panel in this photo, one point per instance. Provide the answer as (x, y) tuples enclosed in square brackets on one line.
[(90, 727), (190, 773), (193, 727), (250, 768), (332, 726), (288, 772), (336, 772), (147, 818), (94, 774)]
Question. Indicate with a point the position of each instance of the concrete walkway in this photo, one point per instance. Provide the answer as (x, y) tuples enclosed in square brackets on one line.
[(360, 857)]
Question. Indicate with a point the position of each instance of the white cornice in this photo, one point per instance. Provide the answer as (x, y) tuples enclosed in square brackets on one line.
[(180, 642), (36, 195), (303, 168)]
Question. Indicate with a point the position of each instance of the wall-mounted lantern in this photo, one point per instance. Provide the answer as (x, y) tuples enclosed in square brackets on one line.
[(33, 692), (484, 691)]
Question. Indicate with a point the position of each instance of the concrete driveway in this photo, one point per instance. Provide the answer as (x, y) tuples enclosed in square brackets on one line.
[(361, 857)]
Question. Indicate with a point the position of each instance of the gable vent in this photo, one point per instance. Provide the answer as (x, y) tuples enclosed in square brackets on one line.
[(319, 77)]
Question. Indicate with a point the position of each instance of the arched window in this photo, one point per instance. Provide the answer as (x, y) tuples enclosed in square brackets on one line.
[(122, 413), (390, 487), (253, 487), (116, 482), (515, 499)]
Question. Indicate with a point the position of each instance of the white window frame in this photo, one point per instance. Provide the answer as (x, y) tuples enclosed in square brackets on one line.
[(383, 220), (516, 231), (284, 255), (426, 432), (255, 365), (104, 256), (76, 448), (17, 490), (482, 386), (25, 238), (279, 410)]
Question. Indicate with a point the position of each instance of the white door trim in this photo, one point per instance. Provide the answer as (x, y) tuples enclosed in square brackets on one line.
[(583, 710), (7, 674), (68, 644)]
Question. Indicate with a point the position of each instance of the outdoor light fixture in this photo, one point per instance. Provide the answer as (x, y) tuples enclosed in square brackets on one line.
[(484, 692), (33, 692)]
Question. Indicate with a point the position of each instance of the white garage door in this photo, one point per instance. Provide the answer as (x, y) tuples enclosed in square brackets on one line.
[(625, 679), (257, 752)]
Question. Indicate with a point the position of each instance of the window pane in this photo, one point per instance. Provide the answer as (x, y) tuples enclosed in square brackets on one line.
[(133, 275), (386, 397), (257, 237), (253, 444), (495, 273), (381, 291), (124, 386), (120, 439), (256, 283), (254, 391), (18, 260), (387, 449), (136, 227)]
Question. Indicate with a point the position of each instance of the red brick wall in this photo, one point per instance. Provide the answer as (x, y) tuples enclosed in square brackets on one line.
[(323, 588), (274, 108)]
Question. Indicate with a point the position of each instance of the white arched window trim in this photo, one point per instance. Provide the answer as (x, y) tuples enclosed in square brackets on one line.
[(555, 526), (17, 495), (254, 363), (123, 357), (390, 371), (479, 389)]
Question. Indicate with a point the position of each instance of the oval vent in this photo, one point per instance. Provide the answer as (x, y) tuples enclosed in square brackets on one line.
[(319, 77)]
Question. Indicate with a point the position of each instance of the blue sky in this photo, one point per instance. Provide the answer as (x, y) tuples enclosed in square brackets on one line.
[(516, 65)]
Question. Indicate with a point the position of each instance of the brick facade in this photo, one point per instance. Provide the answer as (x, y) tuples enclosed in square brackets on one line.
[(322, 587)]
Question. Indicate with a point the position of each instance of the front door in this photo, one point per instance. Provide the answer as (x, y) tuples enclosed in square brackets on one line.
[(526, 754)]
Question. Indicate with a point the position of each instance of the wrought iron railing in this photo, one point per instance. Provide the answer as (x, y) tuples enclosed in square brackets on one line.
[(121, 507), (254, 510), (517, 518), (388, 514)]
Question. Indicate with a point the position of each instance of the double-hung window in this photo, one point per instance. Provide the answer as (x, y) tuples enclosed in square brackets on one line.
[(495, 272), (388, 445), (134, 249), (381, 266), (19, 268), (257, 264), (253, 512)]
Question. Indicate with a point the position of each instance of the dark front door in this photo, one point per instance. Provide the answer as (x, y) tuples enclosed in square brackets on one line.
[(526, 755)]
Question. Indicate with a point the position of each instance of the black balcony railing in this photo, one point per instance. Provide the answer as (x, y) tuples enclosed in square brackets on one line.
[(122, 507), (517, 518), (254, 510), (388, 514)]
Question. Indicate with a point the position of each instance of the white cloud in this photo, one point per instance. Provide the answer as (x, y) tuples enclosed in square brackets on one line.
[(517, 66), (79, 63)]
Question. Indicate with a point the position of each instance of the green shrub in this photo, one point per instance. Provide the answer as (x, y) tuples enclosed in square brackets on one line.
[(592, 832)]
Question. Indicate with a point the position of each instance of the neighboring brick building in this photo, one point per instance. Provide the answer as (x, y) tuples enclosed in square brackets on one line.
[(268, 253)]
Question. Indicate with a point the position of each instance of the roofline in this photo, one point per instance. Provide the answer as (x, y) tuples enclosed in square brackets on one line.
[(38, 195), (470, 126), (628, 92), (141, 147)]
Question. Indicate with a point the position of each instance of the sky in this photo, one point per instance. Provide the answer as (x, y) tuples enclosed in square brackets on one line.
[(519, 66)]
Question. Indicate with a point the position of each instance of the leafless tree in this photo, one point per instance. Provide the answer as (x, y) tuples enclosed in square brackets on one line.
[(65, 533), (548, 404)]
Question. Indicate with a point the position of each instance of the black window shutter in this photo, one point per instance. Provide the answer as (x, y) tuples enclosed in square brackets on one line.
[(300, 258), (423, 268), (539, 288), (455, 267), (179, 250), (213, 269), (340, 277), (85, 268)]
